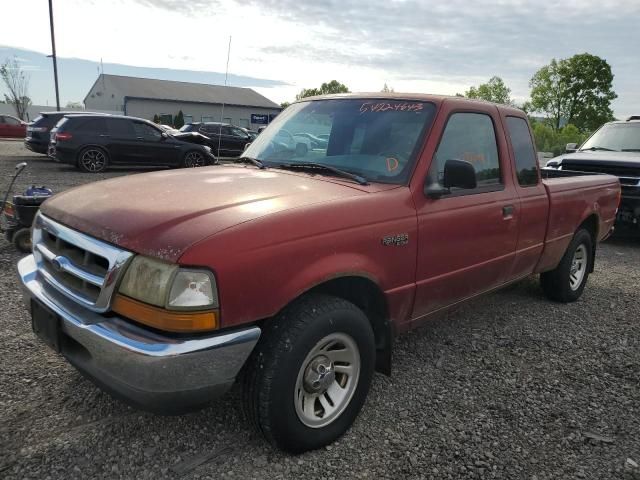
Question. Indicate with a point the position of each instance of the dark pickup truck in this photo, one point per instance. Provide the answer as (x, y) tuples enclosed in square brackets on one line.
[(614, 149), (293, 272)]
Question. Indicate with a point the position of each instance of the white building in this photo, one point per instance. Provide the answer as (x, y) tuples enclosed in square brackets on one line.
[(148, 97)]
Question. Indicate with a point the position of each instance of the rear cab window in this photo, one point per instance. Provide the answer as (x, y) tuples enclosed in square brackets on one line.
[(524, 152), (470, 136)]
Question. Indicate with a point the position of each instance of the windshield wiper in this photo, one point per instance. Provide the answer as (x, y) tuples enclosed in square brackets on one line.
[(253, 161), (320, 166), (598, 148)]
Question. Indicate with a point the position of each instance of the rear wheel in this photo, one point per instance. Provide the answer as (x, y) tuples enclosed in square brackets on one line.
[(93, 160), (194, 159), (22, 240), (566, 283), (310, 374)]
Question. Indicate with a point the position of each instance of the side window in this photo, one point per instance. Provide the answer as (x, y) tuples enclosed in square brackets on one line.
[(210, 129), (121, 128), (236, 132), (226, 131), (92, 125), (470, 137), (523, 151), (146, 131), (11, 121), (2, 119)]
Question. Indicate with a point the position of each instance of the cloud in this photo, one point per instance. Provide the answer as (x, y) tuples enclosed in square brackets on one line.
[(456, 41)]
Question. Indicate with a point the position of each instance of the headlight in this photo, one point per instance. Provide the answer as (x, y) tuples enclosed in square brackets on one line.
[(207, 148), (147, 280), (168, 297), (192, 288)]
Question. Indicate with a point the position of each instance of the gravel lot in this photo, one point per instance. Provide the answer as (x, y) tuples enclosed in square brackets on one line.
[(510, 386)]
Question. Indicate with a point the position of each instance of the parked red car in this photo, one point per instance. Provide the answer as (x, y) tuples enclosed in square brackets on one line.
[(12, 127), (294, 271)]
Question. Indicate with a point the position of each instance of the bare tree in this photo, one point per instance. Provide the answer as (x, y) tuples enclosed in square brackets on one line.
[(17, 82)]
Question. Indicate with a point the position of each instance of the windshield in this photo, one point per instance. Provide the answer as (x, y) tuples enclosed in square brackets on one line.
[(620, 137), (376, 139), (187, 128)]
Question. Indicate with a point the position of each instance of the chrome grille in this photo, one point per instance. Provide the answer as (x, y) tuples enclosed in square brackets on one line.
[(627, 175), (79, 266)]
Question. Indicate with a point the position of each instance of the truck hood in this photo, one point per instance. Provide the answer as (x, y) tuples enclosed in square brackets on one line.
[(161, 214), (631, 159)]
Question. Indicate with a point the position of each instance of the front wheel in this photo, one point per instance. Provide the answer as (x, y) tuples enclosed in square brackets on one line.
[(566, 283), (310, 374)]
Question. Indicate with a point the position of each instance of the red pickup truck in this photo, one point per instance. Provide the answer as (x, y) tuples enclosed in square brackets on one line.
[(292, 270)]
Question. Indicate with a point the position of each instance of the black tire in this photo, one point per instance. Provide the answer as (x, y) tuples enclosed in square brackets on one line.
[(557, 284), (22, 240), (193, 159), (271, 376), (93, 160)]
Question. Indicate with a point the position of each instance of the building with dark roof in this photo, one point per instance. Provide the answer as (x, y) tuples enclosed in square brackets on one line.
[(148, 97)]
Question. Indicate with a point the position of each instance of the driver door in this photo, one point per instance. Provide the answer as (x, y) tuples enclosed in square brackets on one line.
[(467, 238)]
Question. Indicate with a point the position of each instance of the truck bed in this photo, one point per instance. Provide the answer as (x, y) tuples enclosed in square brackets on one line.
[(571, 196)]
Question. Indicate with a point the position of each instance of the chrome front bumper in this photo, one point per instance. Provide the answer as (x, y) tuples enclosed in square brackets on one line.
[(159, 373)]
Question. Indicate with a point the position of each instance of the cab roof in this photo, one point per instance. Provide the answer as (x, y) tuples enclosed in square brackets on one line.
[(421, 97)]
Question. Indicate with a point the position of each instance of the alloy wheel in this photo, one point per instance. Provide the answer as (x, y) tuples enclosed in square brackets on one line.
[(327, 380), (93, 160)]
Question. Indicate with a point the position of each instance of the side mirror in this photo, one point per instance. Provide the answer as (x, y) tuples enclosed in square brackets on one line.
[(571, 147), (457, 174), (247, 145), (164, 135)]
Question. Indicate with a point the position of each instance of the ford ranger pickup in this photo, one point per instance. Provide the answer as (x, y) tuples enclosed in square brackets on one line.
[(291, 271)]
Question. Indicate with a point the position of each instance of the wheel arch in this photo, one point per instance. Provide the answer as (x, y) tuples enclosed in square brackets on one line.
[(369, 297), (92, 145), (591, 225)]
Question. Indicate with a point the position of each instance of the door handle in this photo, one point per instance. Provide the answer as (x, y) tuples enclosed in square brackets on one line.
[(103, 135), (507, 211)]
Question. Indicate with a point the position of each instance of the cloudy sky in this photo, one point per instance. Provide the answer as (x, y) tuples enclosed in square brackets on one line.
[(414, 46)]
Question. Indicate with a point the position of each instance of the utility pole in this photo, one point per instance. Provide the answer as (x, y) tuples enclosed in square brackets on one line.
[(53, 55)]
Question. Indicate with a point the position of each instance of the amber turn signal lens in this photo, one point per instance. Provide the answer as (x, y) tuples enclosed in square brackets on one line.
[(164, 319)]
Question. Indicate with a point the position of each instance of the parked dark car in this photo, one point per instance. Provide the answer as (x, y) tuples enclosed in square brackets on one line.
[(39, 130), (12, 127), (225, 140), (93, 143), (614, 149)]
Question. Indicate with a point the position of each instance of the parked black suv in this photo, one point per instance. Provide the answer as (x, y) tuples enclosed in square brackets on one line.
[(614, 149), (92, 143), (231, 139), (37, 139)]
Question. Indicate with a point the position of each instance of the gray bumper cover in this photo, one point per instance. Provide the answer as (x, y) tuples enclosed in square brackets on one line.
[(149, 370)]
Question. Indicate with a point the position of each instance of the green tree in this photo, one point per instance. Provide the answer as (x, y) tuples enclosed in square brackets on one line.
[(178, 121), (333, 86), (550, 140), (156, 118), (494, 90), (576, 90), (285, 105)]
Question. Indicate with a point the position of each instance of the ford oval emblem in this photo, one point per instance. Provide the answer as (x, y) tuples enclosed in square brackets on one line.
[(57, 266)]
